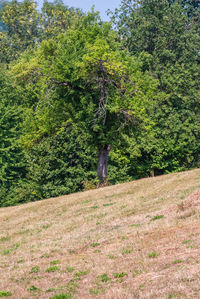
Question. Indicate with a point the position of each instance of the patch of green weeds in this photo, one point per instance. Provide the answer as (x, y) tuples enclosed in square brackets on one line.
[(110, 256), (188, 243), (104, 277), (178, 261), (96, 291), (109, 204), (7, 251), (34, 289), (170, 296), (70, 269), (81, 273), (50, 290), (21, 232), (135, 225), (126, 251), (45, 255), (20, 261), (95, 244), (55, 262), (123, 238), (95, 207), (157, 217), (5, 294), (120, 275), (5, 238), (61, 296), (93, 291), (142, 286), (35, 269), (153, 254), (123, 207), (71, 286), (166, 266), (45, 226), (97, 251), (52, 269)]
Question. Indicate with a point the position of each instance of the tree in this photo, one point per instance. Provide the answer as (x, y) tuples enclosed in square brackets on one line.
[(168, 33), (85, 78), (57, 18), (20, 20)]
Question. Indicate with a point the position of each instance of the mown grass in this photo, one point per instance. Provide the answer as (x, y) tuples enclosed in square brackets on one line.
[(134, 240)]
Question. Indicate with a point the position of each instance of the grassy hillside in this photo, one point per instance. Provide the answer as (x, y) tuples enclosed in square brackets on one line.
[(135, 240)]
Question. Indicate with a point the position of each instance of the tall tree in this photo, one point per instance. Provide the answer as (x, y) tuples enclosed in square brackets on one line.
[(85, 77), (169, 33), (21, 28)]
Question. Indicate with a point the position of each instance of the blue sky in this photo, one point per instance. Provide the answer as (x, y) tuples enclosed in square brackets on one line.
[(101, 5)]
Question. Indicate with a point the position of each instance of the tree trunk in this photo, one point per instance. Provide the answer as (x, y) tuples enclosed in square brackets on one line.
[(103, 162)]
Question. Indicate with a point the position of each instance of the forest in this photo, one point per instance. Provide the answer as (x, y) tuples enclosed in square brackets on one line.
[(86, 103)]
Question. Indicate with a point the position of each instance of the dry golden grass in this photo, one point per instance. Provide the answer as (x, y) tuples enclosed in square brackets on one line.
[(134, 240)]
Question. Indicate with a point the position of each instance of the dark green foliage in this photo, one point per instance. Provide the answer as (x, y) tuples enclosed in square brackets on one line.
[(12, 159), (62, 296), (165, 34), (58, 165)]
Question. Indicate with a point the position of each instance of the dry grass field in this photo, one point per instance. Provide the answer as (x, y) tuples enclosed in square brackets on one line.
[(135, 240)]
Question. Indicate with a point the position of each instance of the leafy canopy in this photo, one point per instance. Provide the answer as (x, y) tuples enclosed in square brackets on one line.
[(85, 77)]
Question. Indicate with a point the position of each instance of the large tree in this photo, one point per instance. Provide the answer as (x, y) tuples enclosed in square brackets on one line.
[(167, 32), (84, 77)]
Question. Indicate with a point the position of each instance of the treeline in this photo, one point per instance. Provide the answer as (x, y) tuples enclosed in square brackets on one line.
[(77, 92)]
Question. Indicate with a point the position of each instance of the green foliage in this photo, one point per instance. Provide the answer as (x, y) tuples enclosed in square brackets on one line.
[(153, 254), (33, 289), (5, 294), (21, 28), (83, 77), (62, 296), (57, 18), (58, 165), (12, 159), (120, 275), (104, 277), (52, 269), (35, 269), (178, 261), (165, 35), (157, 217)]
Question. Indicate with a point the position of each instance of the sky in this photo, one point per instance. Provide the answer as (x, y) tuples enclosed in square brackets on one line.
[(100, 5)]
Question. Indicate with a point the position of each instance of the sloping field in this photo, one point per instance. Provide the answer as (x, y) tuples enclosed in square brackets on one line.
[(135, 240)]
